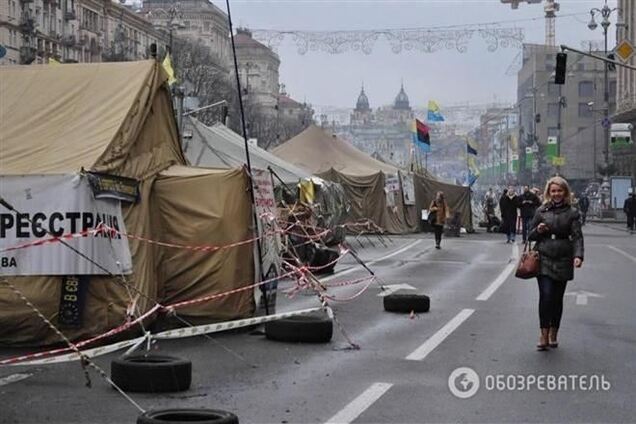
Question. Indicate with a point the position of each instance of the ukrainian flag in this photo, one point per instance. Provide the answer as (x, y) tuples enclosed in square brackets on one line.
[(434, 112)]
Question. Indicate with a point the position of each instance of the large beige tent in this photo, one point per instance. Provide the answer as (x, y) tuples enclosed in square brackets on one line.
[(362, 177), (117, 119)]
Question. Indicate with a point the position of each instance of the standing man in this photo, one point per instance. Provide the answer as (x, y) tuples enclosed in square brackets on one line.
[(528, 204), (584, 206), (508, 205), (629, 207)]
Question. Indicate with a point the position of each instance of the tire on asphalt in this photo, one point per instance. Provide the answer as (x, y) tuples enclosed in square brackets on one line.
[(407, 302), (151, 373), (181, 416), (301, 329)]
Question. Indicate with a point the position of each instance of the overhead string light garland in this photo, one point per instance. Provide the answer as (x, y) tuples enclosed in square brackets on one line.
[(425, 39)]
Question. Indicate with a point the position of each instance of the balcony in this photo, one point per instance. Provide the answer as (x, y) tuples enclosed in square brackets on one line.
[(70, 16), (69, 40), (26, 1), (626, 107), (27, 55)]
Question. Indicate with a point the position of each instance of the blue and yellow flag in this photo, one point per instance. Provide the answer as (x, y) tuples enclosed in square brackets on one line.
[(434, 112)]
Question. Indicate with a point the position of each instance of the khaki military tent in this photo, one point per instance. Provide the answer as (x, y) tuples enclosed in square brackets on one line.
[(115, 119), (363, 178)]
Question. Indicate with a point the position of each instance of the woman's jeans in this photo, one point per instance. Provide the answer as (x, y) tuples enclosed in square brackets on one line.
[(439, 230), (550, 301)]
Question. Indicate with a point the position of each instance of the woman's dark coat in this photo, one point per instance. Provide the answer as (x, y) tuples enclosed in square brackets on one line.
[(561, 243)]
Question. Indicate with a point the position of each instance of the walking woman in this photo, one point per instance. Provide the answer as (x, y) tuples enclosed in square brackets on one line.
[(442, 213), (556, 228)]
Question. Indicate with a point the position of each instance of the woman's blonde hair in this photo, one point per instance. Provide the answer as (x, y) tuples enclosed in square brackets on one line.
[(561, 182)]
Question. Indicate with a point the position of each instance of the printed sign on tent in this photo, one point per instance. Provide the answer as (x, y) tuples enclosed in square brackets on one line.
[(59, 206), (391, 188), (408, 188), (266, 212)]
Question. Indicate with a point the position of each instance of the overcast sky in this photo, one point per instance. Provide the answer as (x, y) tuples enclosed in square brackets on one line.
[(447, 76)]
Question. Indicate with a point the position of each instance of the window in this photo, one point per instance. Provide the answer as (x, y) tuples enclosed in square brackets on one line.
[(586, 89), (553, 110), (553, 89), (553, 132), (612, 88), (584, 111), (580, 66)]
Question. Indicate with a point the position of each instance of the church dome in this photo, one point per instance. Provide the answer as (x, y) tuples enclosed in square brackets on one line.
[(363, 101), (402, 100)]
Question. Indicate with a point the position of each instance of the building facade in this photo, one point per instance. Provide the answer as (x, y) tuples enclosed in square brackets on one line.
[(197, 20), (35, 31), (625, 156), (258, 71), (571, 113)]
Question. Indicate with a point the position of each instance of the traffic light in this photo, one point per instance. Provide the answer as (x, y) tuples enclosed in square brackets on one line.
[(561, 65), (610, 66)]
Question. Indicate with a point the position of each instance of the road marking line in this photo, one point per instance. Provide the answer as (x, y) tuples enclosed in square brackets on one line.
[(502, 277), (13, 378), (358, 267), (622, 252), (429, 345), (360, 404)]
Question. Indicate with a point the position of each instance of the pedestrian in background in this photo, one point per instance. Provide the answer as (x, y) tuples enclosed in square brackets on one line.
[(629, 207), (439, 207), (584, 206), (508, 205), (528, 204), (556, 228)]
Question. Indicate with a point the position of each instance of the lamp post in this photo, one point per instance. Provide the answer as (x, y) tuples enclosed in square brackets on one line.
[(605, 12), (174, 16)]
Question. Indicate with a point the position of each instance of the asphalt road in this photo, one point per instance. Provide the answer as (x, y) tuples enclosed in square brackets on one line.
[(481, 317)]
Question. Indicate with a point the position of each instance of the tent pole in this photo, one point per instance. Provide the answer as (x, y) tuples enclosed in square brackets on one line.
[(247, 158)]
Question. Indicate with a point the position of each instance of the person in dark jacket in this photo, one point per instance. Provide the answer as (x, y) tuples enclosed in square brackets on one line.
[(508, 205), (584, 206), (528, 204), (440, 208), (629, 207), (556, 228)]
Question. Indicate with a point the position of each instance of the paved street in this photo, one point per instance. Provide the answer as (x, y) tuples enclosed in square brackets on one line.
[(481, 317)]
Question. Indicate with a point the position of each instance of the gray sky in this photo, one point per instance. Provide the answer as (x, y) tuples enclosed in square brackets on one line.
[(446, 76)]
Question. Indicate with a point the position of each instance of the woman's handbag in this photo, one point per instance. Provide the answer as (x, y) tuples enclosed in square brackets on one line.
[(529, 263), (432, 218)]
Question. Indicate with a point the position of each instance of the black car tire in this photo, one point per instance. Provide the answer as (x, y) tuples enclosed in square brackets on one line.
[(151, 373), (407, 302), (300, 329), (186, 416)]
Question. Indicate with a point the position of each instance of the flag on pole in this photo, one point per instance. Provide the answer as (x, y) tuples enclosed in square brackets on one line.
[(167, 66), (473, 171), (420, 135), (434, 112)]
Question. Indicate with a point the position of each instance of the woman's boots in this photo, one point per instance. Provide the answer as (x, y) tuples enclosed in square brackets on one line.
[(544, 339)]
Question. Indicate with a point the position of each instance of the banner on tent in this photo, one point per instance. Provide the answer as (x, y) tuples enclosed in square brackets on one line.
[(391, 188), (59, 206), (266, 211), (408, 188)]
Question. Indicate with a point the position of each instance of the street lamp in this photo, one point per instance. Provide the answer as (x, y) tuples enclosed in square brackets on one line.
[(605, 12)]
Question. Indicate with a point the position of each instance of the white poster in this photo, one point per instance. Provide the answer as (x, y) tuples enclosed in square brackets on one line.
[(270, 242), (48, 230), (391, 188), (408, 188)]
